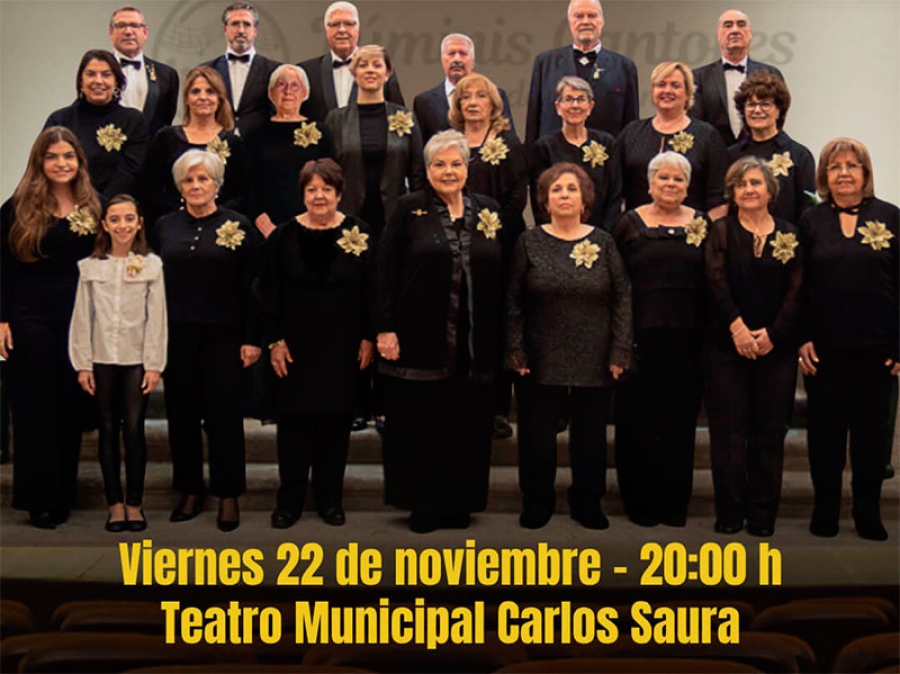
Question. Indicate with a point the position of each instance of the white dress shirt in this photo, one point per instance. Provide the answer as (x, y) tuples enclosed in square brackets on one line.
[(238, 72), (734, 79), (135, 94), (343, 80), (119, 317)]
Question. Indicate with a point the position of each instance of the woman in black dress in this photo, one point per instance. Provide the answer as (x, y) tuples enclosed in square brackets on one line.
[(313, 287), (672, 89), (379, 147), (114, 137), (279, 148), (45, 229), (568, 335), (439, 324), (658, 402), (754, 272), (209, 255), (763, 101), (591, 149), (852, 354), (498, 168), (207, 124)]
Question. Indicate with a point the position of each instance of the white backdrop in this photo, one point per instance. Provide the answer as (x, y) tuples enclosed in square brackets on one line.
[(841, 59)]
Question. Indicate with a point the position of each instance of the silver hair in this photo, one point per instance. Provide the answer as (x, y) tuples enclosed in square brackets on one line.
[(572, 2), (280, 70), (459, 36), (445, 140), (673, 159), (576, 83), (341, 4), (212, 162)]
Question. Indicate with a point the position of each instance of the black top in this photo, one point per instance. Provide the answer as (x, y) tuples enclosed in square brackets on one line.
[(639, 142), (373, 129), (423, 262), (506, 181), (208, 282), (794, 167), (160, 195), (52, 277), (665, 265), (765, 291), (568, 322), (275, 156), (605, 173), (114, 139), (314, 294), (852, 296)]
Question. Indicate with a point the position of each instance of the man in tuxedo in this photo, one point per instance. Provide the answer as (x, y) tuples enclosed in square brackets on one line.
[(152, 86), (432, 106), (716, 83), (245, 73), (331, 84), (613, 77)]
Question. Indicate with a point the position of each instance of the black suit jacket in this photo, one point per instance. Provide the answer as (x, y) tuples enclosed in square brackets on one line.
[(162, 95), (431, 108), (255, 106), (322, 98), (710, 100), (616, 99)]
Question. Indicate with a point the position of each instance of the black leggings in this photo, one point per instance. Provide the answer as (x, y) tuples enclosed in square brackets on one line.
[(122, 406)]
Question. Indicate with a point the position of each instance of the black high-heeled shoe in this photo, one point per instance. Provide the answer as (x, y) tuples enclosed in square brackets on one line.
[(229, 524), (182, 513)]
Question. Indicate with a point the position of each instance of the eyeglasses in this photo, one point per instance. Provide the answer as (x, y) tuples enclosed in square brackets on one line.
[(341, 24), (121, 25), (765, 106), (288, 86), (838, 168), (572, 100)]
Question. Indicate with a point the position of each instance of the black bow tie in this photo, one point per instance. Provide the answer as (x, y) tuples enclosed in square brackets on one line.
[(592, 55), (125, 63), (340, 64), (243, 58), (849, 210), (732, 66)]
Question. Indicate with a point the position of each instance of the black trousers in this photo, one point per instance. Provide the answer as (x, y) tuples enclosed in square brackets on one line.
[(45, 403), (123, 408), (749, 404), (319, 442), (203, 390), (656, 420), (540, 408), (851, 392)]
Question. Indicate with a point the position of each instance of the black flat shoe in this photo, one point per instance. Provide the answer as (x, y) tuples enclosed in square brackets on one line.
[(728, 527), (534, 519), (335, 517), (283, 518), (594, 520), (138, 525), (421, 523), (823, 529), (42, 520), (761, 530), (359, 424), (116, 527), (502, 428), (871, 530), (182, 513), (60, 515), (234, 521)]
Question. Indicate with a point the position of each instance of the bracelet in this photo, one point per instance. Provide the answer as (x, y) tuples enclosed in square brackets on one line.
[(737, 332)]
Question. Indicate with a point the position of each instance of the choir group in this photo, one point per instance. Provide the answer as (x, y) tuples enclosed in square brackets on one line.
[(376, 260)]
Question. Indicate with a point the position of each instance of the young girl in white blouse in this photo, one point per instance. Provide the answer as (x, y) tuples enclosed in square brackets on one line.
[(117, 343)]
